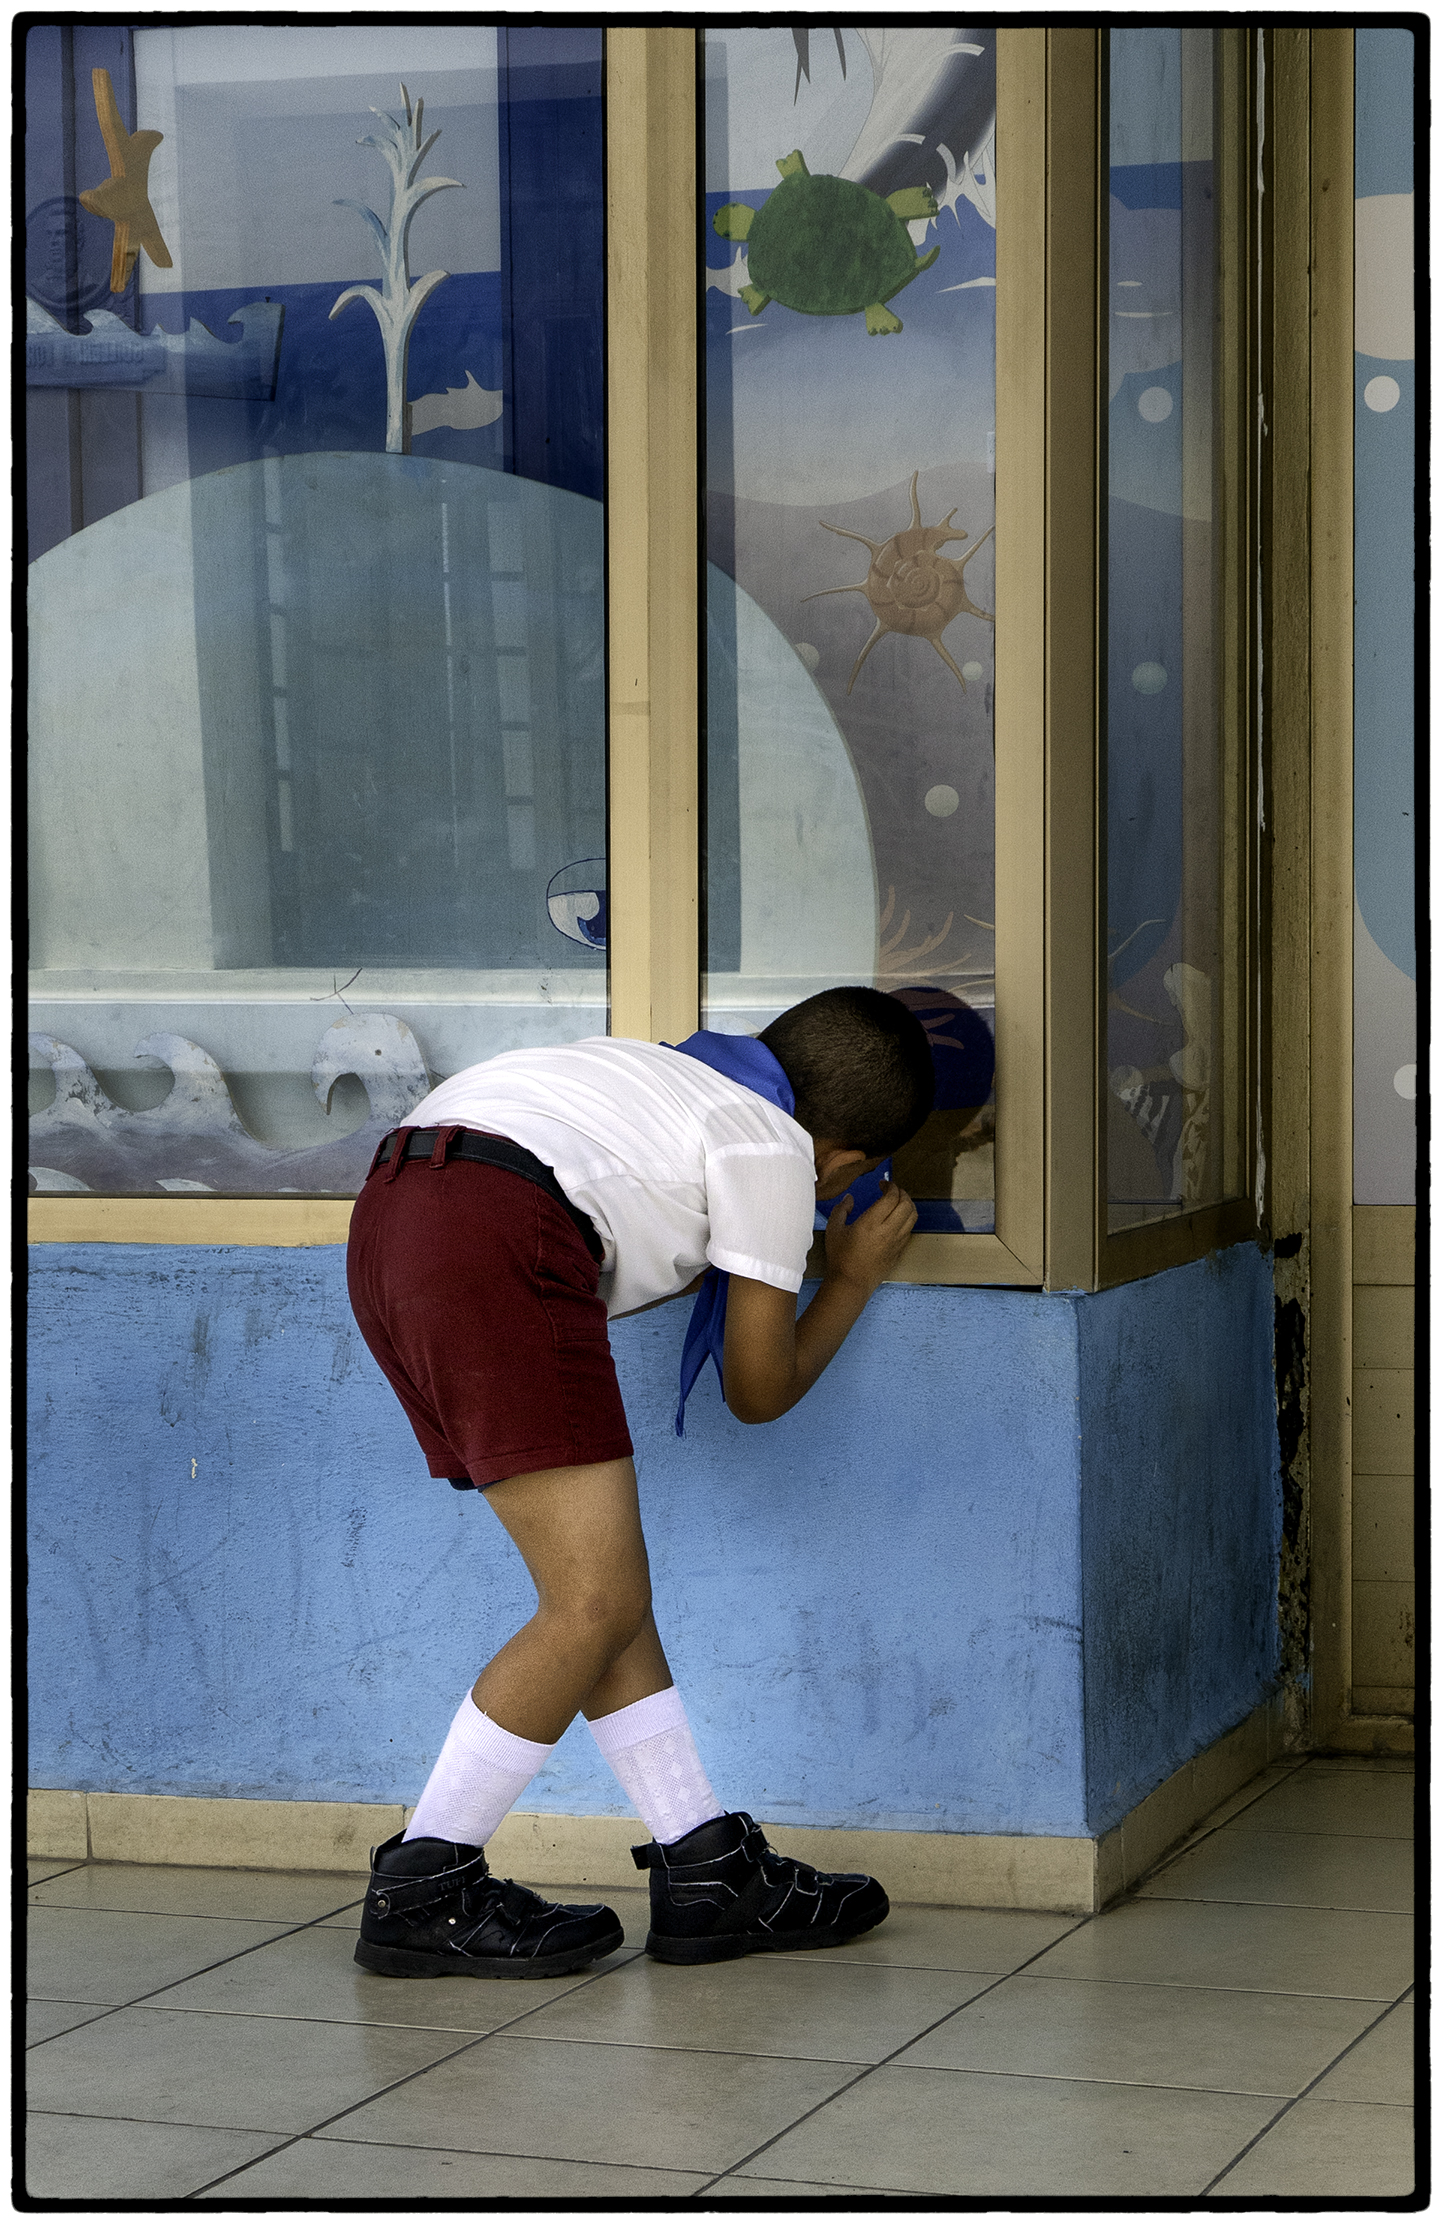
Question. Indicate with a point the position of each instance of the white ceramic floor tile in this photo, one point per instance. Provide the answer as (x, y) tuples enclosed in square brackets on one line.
[(252, 2073), (1235, 2042), (1352, 1803), (318, 2170), (1291, 1869), (781, 2193), (246, 1895), (1133, 2058), (954, 2132), (1332, 1951), (46, 2019), (1335, 2150), (1380, 2067), (648, 2107), (90, 1954), (992, 1940), (94, 2158), (313, 1973), (800, 2005)]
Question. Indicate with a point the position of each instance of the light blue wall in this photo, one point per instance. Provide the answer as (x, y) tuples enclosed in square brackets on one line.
[(1181, 1511), (1011, 1551)]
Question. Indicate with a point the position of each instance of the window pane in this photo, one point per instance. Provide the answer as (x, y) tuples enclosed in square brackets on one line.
[(850, 247), (317, 585), (1171, 948)]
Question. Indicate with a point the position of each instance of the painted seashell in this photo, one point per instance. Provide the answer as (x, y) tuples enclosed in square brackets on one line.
[(911, 587)]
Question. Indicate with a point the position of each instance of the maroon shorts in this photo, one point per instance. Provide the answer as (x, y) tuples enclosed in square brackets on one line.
[(477, 1297)]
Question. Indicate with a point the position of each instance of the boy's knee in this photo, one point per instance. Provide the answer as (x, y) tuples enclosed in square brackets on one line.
[(612, 1617)]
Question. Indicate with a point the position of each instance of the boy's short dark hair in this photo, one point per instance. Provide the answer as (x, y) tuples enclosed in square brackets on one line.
[(860, 1065)]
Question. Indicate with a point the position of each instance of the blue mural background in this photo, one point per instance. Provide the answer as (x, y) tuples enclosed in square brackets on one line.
[(358, 705)]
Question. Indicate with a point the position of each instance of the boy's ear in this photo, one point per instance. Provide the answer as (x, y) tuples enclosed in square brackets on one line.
[(834, 1164)]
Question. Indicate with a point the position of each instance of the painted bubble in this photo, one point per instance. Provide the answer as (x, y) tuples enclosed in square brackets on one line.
[(973, 671), (1404, 1081), (809, 654), (1381, 394), (1149, 679), (941, 801), (1154, 403)]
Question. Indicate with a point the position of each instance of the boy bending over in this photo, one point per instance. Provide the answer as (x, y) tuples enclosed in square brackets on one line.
[(528, 1199)]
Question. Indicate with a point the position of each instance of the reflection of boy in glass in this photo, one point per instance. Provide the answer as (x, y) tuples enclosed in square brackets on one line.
[(484, 1297)]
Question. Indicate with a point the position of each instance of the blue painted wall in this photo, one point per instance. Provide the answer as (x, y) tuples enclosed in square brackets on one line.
[(1181, 1510), (1013, 1551)]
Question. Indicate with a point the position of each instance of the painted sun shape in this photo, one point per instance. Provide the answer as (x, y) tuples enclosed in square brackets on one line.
[(911, 587)]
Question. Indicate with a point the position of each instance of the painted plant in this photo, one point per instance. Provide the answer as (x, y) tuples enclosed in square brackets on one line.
[(399, 299)]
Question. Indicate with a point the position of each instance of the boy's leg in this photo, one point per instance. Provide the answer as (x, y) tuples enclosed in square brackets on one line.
[(591, 1646), (578, 1529)]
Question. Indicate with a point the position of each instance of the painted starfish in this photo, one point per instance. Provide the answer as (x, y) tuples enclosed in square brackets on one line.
[(124, 199)]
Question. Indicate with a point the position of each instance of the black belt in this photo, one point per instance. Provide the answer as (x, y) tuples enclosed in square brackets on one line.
[(491, 1150)]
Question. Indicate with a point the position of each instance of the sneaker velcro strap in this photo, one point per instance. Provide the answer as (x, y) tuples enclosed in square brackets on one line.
[(398, 1892), (643, 1856)]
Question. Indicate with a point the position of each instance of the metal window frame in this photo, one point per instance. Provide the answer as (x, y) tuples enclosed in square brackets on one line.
[(1081, 1252), (1049, 1203)]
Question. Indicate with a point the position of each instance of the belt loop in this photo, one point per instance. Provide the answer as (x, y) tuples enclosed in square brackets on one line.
[(376, 1160), (445, 1136), (397, 1158)]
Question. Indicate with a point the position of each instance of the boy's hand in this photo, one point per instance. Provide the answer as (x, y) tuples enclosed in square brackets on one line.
[(865, 1251), (772, 1358)]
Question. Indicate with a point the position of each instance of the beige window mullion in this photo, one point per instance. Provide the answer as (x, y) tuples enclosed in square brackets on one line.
[(653, 568), (1071, 277), (1015, 1253)]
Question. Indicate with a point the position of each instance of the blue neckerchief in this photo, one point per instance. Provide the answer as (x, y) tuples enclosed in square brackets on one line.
[(741, 1058)]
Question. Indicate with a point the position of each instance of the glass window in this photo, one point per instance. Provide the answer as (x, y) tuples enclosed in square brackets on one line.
[(314, 366), (850, 249), (1173, 1140)]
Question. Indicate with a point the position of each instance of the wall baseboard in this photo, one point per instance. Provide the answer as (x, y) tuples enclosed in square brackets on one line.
[(923, 1868)]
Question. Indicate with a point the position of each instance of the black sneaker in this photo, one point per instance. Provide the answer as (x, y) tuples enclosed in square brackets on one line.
[(721, 1891), (435, 1910)]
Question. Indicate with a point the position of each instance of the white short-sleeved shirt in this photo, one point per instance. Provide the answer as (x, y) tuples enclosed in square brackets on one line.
[(678, 1167)]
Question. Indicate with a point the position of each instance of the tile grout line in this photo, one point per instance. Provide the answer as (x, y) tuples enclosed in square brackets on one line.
[(1301, 1907), (479, 2039), (102, 2010), (114, 2007), (1206, 1830), (1287, 2108), (399, 2146), (869, 2069), (595, 1978)]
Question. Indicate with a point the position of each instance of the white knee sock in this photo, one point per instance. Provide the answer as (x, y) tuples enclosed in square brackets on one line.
[(651, 1749), (480, 1773)]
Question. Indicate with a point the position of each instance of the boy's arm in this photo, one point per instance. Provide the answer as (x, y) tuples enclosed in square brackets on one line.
[(772, 1358)]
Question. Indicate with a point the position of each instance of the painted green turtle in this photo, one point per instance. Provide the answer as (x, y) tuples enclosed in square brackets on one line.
[(827, 247)]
